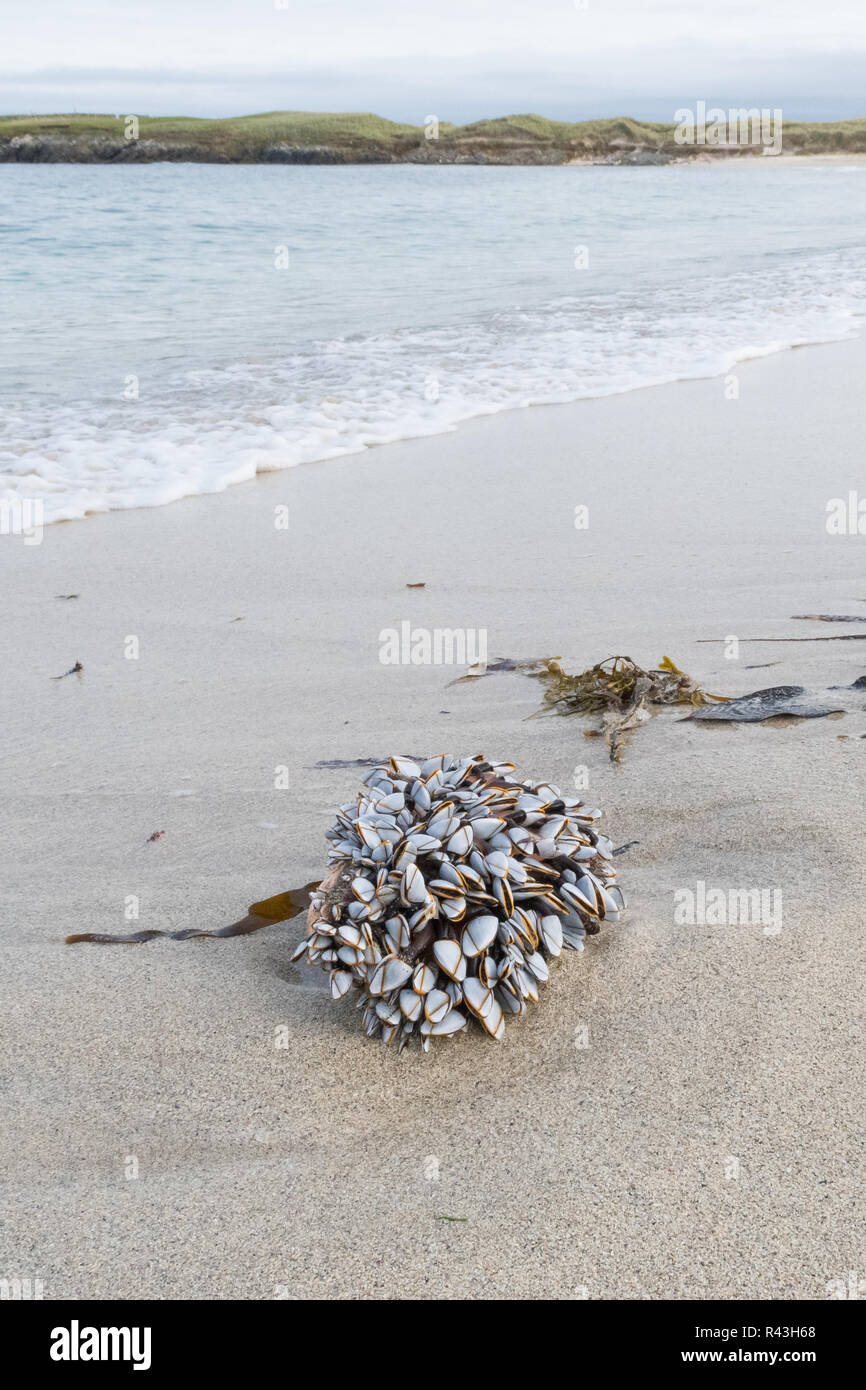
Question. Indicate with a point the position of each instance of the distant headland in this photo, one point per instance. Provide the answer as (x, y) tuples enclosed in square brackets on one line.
[(298, 137)]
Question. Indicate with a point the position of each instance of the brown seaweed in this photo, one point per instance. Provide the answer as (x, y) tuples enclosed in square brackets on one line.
[(281, 908), (617, 688), (621, 691), (615, 684)]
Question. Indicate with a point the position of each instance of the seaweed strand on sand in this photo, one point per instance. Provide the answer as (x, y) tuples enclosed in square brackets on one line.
[(280, 908), (621, 691)]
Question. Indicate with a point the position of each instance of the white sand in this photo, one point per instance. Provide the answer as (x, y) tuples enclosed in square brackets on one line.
[(785, 161), (321, 1170)]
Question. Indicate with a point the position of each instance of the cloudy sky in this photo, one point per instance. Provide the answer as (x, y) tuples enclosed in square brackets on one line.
[(456, 59)]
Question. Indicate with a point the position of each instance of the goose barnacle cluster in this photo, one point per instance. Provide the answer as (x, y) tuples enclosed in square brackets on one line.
[(451, 886)]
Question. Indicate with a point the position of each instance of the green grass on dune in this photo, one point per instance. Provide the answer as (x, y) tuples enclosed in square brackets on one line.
[(567, 132), (240, 136), (287, 125)]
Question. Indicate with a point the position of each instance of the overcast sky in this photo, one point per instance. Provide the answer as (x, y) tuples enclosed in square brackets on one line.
[(456, 59)]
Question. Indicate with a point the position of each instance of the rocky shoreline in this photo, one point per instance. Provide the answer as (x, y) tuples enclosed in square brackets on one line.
[(56, 149), (60, 149), (310, 138)]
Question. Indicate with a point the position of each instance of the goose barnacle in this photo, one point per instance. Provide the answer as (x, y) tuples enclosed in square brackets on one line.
[(452, 886)]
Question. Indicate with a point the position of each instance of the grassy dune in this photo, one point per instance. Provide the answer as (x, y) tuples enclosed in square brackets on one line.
[(322, 137)]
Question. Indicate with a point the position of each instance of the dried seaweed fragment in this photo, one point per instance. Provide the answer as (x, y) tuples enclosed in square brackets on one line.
[(621, 691), (614, 684)]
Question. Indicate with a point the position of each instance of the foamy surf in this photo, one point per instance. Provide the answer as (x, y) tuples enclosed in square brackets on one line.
[(208, 416), (226, 425)]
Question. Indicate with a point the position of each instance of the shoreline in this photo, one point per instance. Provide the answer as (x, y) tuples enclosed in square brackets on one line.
[(28, 156), (309, 137), (306, 1168), (452, 427)]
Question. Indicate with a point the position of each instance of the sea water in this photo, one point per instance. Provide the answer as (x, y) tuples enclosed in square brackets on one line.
[(172, 329)]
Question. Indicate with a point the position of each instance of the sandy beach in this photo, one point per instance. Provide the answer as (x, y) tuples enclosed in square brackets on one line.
[(828, 161), (708, 1141)]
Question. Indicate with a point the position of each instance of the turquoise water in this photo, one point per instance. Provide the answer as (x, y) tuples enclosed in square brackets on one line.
[(154, 346)]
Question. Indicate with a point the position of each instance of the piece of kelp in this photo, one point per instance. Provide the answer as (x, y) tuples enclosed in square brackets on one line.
[(836, 637), (613, 684), (828, 618), (280, 908), (621, 691), (859, 684), (764, 704)]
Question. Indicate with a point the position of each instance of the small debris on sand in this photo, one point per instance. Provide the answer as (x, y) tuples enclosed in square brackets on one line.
[(529, 666), (335, 764), (828, 618), (73, 671)]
